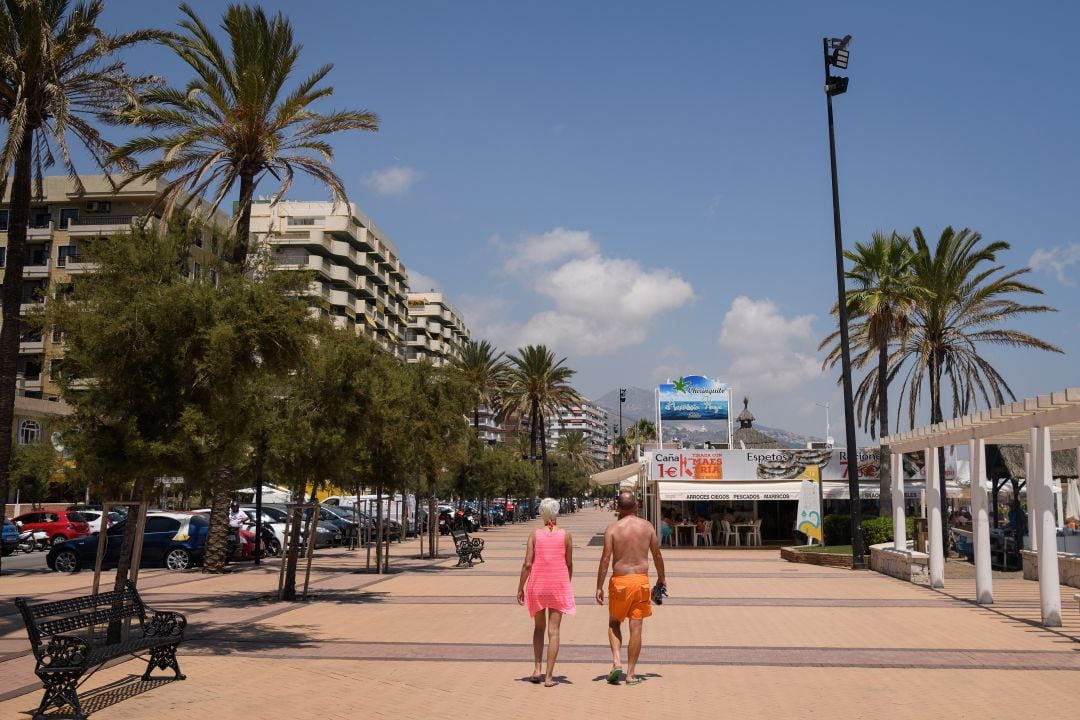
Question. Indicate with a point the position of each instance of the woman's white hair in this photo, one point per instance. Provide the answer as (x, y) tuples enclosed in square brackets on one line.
[(549, 508)]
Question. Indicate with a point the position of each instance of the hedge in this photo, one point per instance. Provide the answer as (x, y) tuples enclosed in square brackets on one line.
[(875, 530)]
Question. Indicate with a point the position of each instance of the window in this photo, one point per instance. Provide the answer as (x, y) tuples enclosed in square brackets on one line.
[(160, 523), (196, 270), (213, 278), (67, 215), (307, 220), (198, 238), (29, 432), (3, 256), (215, 244), (4, 215)]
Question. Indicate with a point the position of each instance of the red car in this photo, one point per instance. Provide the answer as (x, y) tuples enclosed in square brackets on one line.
[(60, 525)]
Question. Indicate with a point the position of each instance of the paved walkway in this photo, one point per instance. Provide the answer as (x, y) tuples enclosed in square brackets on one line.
[(744, 635)]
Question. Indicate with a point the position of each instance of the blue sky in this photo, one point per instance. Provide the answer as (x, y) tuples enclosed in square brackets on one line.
[(645, 186)]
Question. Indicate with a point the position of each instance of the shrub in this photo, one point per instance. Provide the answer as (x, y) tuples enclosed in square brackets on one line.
[(877, 530), (837, 529)]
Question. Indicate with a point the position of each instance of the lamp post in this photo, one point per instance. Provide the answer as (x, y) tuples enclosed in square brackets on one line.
[(826, 406), (622, 399), (835, 52)]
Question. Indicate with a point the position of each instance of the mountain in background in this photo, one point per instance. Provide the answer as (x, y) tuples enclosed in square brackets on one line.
[(642, 404)]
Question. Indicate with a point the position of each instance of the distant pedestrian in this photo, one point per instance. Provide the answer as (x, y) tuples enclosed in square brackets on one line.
[(627, 544), (544, 588)]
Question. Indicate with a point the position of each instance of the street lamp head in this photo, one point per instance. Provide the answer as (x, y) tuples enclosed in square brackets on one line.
[(840, 55)]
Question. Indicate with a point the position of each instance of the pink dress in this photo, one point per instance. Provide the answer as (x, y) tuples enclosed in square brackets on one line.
[(549, 581)]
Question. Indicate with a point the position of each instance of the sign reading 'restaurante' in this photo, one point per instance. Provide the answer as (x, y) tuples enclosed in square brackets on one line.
[(694, 397)]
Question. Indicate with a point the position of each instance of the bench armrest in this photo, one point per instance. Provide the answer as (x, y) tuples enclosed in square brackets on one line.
[(165, 623), (62, 652)]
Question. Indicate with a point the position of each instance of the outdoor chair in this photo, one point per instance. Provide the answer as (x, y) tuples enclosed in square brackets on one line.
[(753, 537), (705, 536), (728, 534)]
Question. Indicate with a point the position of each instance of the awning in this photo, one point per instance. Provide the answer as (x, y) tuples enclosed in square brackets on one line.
[(615, 475), (691, 491)]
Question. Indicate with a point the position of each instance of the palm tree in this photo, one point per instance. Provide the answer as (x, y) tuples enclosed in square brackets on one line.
[(57, 69), (484, 372), (881, 295), (968, 297), (576, 453), (233, 122), (640, 433), (539, 386)]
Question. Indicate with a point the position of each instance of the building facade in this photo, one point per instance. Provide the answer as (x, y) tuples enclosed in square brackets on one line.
[(360, 282), (63, 224), (436, 331), (591, 420)]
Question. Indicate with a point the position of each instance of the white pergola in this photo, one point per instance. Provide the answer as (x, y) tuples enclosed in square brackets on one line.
[(1042, 424)]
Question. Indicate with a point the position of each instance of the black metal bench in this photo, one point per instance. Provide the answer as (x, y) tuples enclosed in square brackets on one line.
[(64, 654), (468, 548)]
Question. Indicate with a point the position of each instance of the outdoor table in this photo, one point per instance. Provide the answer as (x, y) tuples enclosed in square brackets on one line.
[(739, 527), (684, 526)]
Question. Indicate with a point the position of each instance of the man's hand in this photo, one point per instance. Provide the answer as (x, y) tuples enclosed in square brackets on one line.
[(599, 596)]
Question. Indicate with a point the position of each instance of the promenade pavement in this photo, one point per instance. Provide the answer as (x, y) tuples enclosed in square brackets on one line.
[(744, 635)]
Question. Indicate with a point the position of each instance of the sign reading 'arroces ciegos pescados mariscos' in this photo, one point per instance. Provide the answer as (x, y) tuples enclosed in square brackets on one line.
[(694, 397)]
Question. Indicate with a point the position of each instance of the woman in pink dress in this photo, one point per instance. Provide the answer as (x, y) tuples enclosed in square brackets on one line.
[(545, 586)]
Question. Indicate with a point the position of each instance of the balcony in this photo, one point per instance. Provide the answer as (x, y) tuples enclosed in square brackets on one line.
[(30, 305), (36, 269), (100, 225), (31, 345), (39, 232)]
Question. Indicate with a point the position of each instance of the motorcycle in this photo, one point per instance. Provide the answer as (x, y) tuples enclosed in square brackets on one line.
[(271, 546), (31, 540)]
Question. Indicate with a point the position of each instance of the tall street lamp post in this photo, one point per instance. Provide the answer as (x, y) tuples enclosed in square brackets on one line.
[(622, 399), (835, 51)]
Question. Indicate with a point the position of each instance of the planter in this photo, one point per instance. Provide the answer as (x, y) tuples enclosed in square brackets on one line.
[(909, 565), (816, 558)]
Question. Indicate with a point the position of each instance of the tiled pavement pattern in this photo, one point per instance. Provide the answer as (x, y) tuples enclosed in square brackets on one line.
[(743, 635)]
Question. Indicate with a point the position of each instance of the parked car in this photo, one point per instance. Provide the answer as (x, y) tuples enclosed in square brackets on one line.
[(172, 540), (60, 525), (326, 534), (10, 536), (93, 519)]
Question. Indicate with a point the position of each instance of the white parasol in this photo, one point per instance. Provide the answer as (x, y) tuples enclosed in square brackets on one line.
[(1072, 501)]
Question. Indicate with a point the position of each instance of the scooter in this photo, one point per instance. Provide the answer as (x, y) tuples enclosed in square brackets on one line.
[(31, 540)]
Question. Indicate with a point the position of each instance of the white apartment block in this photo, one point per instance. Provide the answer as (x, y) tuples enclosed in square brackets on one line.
[(360, 282), (591, 420), (436, 330)]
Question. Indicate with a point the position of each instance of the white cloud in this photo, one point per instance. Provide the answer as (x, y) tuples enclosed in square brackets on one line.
[(1057, 261), (552, 246), (419, 282), (393, 180), (601, 304), (771, 353)]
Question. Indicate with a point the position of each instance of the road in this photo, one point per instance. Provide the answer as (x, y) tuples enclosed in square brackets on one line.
[(26, 561)]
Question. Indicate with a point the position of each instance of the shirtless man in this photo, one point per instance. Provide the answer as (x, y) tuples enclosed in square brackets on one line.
[(627, 544)]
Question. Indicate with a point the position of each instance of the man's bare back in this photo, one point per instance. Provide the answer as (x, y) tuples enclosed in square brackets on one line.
[(629, 539)]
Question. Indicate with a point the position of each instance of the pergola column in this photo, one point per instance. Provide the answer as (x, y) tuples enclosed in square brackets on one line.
[(1046, 527), (984, 591), (899, 522), (1032, 496), (933, 517)]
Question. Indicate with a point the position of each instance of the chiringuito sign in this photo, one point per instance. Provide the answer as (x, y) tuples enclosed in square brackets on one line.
[(694, 397)]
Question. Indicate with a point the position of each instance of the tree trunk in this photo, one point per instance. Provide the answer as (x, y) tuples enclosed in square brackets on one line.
[(11, 298), (885, 502), (378, 529), (293, 541), (243, 221), (545, 471), (433, 528), (217, 542), (476, 419), (936, 416)]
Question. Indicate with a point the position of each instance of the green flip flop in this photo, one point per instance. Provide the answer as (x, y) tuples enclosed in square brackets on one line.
[(613, 676), (636, 681)]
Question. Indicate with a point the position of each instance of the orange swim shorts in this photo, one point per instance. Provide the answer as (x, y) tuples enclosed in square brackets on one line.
[(629, 597)]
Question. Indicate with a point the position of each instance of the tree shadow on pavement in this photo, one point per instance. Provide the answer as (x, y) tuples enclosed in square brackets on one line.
[(222, 639)]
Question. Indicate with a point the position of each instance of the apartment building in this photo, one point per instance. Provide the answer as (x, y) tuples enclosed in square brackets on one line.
[(591, 420), (63, 224), (436, 330), (360, 282)]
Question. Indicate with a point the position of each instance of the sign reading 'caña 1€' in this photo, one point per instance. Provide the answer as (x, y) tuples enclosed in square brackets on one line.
[(694, 397)]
